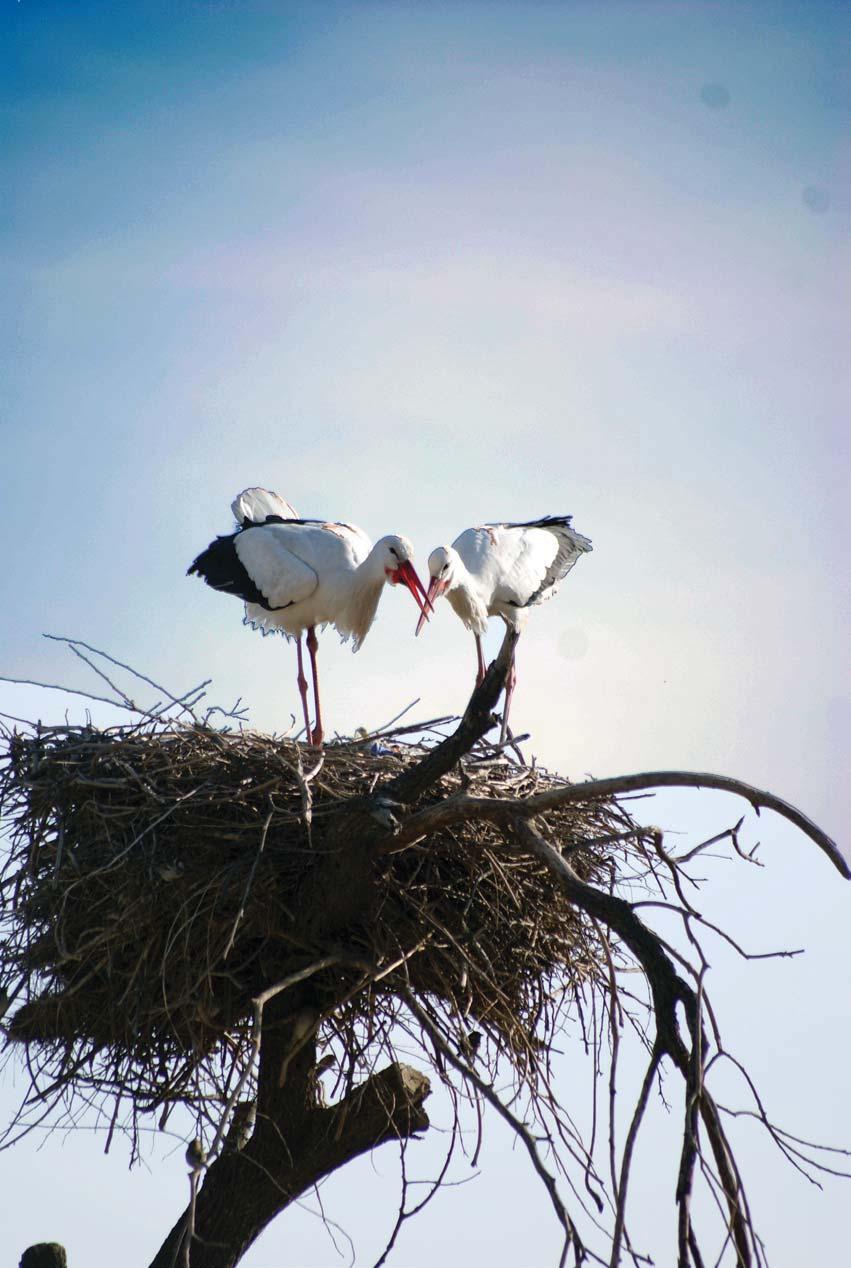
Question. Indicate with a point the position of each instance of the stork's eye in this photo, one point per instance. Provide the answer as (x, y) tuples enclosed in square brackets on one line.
[(393, 552), (445, 568)]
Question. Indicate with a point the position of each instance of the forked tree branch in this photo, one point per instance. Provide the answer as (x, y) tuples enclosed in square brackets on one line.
[(244, 1190), (445, 814), (477, 720), (668, 989)]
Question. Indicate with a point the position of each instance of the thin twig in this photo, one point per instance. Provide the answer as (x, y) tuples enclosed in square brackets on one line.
[(247, 890)]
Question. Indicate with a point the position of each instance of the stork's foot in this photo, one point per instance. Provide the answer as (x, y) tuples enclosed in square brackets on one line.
[(316, 737)]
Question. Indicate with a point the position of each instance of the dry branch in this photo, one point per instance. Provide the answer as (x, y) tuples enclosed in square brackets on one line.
[(244, 1190)]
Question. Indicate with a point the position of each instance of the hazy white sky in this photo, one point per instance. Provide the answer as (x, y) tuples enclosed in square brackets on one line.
[(420, 265)]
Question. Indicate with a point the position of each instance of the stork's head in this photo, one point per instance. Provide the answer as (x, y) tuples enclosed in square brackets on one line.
[(396, 554), (442, 570)]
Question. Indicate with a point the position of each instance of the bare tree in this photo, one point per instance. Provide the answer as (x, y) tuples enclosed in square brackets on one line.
[(439, 895)]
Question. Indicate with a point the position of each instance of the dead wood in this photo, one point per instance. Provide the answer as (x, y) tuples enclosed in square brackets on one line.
[(212, 919)]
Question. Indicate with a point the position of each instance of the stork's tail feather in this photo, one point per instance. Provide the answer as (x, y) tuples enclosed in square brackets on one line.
[(256, 506)]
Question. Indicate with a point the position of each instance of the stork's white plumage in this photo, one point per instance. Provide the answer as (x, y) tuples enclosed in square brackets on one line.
[(256, 505), (295, 574), (503, 570)]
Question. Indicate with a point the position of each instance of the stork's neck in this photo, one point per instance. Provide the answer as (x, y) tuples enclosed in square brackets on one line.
[(467, 598), (370, 572), (365, 585)]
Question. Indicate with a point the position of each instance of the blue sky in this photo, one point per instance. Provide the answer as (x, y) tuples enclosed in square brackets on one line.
[(423, 265)]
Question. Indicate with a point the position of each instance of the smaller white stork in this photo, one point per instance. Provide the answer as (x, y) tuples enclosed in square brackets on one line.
[(503, 570), (294, 574)]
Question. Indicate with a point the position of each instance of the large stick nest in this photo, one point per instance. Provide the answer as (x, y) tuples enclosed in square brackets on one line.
[(157, 880)]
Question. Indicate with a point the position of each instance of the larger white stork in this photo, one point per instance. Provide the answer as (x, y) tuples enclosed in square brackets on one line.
[(503, 570), (295, 574)]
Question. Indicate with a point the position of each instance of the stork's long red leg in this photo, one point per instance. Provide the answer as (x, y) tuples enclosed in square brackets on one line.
[(312, 645), (302, 689), (510, 684), (481, 672)]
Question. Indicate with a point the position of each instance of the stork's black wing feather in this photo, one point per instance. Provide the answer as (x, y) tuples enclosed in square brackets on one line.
[(278, 519), (220, 566), (546, 521)]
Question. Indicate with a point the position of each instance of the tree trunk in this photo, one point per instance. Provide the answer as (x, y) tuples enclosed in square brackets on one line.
[(296, 1142)]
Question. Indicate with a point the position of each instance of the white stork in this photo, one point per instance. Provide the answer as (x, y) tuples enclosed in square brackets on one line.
[(295, 574), (503, 570)]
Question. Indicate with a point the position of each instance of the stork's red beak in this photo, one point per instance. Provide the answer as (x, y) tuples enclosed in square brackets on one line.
[(435, 589), (407, 573)]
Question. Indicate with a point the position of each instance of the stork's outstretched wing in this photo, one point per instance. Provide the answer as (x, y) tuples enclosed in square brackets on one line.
[(551, 565)]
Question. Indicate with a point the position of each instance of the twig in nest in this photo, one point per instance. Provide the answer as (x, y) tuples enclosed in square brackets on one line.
[(247, 890), (75, 644)]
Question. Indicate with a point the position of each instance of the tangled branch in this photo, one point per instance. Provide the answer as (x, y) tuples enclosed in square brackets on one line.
[(193, 918)]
